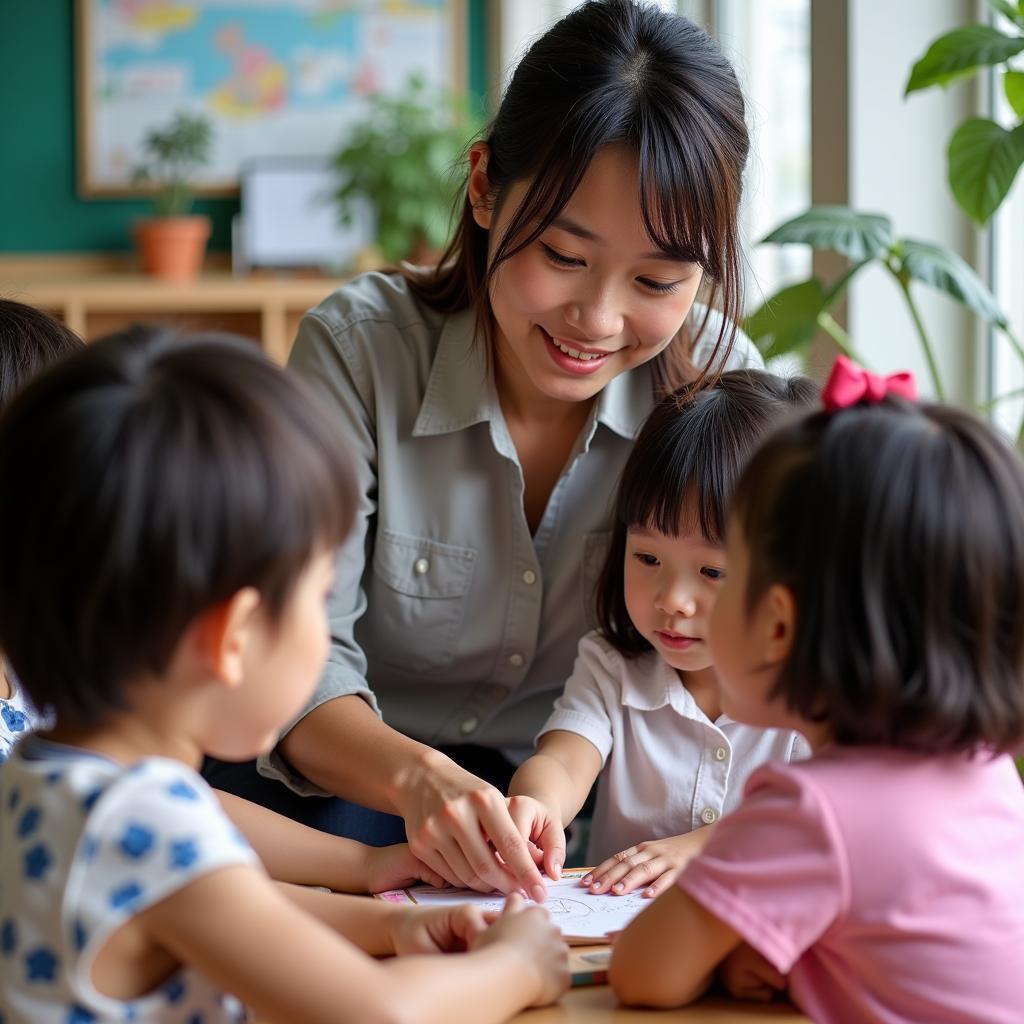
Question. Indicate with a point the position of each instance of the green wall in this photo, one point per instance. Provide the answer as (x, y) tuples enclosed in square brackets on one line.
[(39, 210)]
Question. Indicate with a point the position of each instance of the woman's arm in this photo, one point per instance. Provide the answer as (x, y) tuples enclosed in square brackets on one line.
[(549, 789), (248, 937), (450, 815), (668, 954)]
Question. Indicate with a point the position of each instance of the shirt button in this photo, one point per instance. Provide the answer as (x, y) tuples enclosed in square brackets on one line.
[(420, 566), (529, 577), (469, 725), (516, 660), (709, 815), (721, 754)]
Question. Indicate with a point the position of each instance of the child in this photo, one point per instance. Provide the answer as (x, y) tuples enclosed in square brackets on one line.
[(875, 602), (29, 341), (641, 709), (162, 585)]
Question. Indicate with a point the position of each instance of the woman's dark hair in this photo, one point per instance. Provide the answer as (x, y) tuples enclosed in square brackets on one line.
[(616, 71), (30, 340), (149, 477), (686, 461), (899, 530)]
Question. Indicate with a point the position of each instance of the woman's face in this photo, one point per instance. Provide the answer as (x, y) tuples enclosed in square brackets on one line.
[(592, 297)]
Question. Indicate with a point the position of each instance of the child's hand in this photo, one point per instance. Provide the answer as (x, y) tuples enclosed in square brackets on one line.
[(748, 975), (653, 864), (438, 929), (393, 867), (543, 830), (531, 932)]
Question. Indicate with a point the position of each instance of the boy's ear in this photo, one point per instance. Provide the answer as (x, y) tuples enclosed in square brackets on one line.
[(779, 623), (479, 185), (223, 633)]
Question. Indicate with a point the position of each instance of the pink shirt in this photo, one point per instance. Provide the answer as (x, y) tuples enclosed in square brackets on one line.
[(889, 886)]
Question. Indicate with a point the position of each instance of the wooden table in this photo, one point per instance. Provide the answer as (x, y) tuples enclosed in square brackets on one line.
[(596, 1004)]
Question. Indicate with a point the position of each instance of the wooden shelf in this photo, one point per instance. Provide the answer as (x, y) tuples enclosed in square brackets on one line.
[(95, 295)]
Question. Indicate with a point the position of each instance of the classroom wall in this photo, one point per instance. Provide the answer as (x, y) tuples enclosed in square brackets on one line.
[(39, 210)]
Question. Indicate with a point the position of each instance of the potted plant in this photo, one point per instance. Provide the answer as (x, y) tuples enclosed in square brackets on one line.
[(172, 243), (401, 158), (983, 160)]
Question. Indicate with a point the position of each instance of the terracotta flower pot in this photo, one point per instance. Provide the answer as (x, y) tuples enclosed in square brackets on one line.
[(172, 248)]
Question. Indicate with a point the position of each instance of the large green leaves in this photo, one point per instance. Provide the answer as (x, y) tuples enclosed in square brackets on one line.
[(858, 236), (983, 161), (1013, 86), (789, 319), (943, 270), (960, 53)]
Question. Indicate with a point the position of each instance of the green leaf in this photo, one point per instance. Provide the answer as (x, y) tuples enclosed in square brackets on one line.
[(858, 236), (789, 319), (945, 271), (983, 161), (1013, 86), (1008, 10), (960, 53)]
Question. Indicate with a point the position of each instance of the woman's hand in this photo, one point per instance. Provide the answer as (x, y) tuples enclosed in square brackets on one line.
[(748, 975), (394, 867), (438, 929), (653, 864), (460, 827), (531, 934)]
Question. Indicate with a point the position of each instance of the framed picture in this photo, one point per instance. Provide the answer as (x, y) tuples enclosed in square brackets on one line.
[(274, 77)]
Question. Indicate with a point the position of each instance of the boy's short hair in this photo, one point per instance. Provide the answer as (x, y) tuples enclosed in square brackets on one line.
[(155, 475), (30, 340), (688, 455), (899, 529)]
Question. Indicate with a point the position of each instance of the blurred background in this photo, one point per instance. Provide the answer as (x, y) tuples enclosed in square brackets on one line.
[(360, 107)]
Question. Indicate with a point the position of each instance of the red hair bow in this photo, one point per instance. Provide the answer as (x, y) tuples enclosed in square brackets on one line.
[(849, 384)]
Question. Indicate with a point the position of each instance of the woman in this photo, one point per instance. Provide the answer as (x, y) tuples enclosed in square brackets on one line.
[(491, 404)]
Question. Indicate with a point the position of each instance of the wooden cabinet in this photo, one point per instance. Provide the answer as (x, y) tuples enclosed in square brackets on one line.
[(95, 295)]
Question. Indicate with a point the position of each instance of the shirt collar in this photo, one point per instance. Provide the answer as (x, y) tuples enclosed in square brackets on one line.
[(460, 391), (655, 684)]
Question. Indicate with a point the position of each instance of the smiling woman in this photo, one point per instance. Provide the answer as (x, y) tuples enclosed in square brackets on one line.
[(490, 404)]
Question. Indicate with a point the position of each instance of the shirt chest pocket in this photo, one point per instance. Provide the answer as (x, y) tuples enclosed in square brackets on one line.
[(416, 601)]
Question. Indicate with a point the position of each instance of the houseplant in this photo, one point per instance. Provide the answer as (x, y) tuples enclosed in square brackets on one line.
[(983, 160), (402, 158), (172, 242), (983, 157)]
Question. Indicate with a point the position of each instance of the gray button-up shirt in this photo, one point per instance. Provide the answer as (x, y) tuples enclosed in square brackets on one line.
[(448, 617)]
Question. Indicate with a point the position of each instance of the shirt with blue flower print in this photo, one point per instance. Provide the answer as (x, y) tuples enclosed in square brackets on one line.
[(85, 843), (17, 717)]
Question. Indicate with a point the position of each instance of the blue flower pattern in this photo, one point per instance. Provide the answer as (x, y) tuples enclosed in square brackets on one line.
[(134, 855)]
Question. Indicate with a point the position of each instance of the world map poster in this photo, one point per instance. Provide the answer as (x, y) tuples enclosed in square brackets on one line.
[(274, 77)]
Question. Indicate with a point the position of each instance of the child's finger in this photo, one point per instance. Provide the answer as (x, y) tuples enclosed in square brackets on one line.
[(660, 884), (513, 904), (427, 874), (638, 876), (613, 875), (610, 863)]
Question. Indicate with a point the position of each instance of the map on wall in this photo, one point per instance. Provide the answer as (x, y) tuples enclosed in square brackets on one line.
[(274, 77)]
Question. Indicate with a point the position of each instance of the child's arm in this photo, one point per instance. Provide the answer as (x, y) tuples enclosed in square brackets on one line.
[(668, 954), (548, 790), (239, 930), (296, 853), (653, 864)]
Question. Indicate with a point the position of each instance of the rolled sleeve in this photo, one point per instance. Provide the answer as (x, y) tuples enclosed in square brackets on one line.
[(321, 354)]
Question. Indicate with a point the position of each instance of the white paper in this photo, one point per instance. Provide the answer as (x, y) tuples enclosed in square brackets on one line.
[(579, 913)]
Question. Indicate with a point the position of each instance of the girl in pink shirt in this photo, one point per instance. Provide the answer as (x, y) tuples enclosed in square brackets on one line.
[(875, 601)]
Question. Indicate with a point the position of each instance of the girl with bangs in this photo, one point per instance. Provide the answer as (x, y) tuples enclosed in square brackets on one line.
[(490, 404), (642, 713)]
